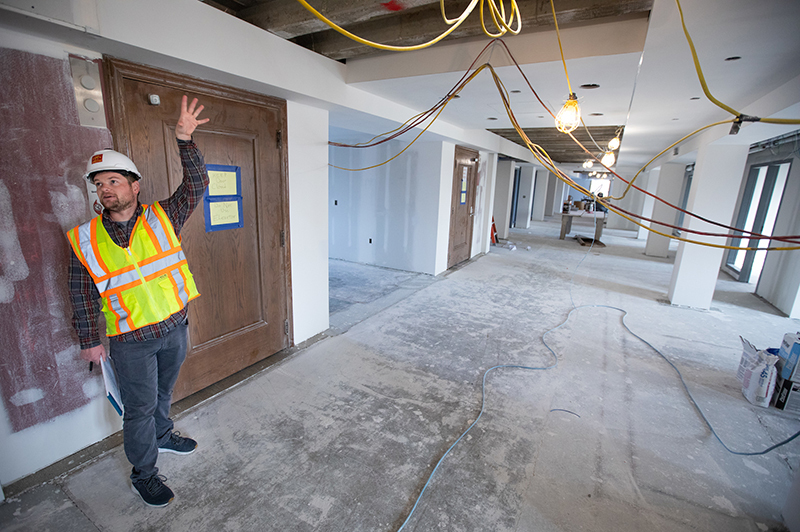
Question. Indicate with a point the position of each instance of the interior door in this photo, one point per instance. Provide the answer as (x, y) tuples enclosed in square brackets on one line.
[(462, 205), (241, 273)]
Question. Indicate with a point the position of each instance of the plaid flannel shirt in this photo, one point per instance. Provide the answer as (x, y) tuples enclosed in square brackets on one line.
[(82, 290)]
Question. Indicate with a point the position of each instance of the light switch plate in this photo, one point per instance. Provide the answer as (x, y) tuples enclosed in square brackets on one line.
[(88, 91)]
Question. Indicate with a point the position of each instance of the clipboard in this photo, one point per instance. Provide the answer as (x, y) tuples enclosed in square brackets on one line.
[(112, 389)]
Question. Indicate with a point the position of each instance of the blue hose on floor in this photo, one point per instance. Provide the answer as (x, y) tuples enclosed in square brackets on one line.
[(554, 364)]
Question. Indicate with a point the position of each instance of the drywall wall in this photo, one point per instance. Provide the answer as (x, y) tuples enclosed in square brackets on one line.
[(51, 405), (527, 175), (670, 184), (696, 269), (780, 278), (447, 159), (503, 190), (541, 178), (484, 199), (390, 215), (650, 184), (308, 210)]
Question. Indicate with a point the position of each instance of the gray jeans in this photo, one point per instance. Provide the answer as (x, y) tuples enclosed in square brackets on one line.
[(146, 374)]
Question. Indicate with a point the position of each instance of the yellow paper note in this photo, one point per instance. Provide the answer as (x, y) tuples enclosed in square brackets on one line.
[(224, 212), (222, 183)]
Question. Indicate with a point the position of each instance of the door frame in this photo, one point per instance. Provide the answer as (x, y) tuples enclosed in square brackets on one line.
[(117, 70), (461, 153)]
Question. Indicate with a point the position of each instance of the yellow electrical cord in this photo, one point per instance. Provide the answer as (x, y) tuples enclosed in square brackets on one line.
[(449, 99), (711, 98), (503, 26), (662, 152), (544, 158), (703, 83), (558, 34), (401, 151)]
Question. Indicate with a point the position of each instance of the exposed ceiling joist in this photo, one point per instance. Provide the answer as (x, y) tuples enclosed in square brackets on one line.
[(403, 22), (561, 147)]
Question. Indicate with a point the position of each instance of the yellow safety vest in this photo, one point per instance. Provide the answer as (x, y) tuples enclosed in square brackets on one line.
[(142, 284)]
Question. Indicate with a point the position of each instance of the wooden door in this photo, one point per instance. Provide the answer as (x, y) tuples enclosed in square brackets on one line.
[(242, 274), (462, 205)]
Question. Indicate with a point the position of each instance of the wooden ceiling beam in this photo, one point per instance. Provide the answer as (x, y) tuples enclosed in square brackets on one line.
[(288, 19), (561, 147), (419, 25)]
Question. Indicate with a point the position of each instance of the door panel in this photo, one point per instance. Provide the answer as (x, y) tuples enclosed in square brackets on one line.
[(241, 273), (462, 206)]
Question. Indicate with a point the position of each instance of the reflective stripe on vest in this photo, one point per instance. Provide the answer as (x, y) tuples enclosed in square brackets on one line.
[(142, 284)]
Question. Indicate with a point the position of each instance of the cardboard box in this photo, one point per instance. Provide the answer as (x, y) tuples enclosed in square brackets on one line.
[(787, 396), (790, 354)]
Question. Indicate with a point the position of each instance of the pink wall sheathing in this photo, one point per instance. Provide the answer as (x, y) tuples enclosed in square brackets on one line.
[(43, 150)]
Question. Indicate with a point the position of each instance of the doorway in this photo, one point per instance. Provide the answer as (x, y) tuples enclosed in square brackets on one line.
[(462, 205), (757, 213), (242, 272)]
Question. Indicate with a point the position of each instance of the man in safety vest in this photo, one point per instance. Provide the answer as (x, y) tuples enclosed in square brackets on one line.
[(129, 264)]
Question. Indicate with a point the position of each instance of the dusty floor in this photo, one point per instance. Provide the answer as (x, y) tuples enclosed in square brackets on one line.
[(342, 436)]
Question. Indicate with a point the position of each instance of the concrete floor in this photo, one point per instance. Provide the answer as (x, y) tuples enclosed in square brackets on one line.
[(342, 435)]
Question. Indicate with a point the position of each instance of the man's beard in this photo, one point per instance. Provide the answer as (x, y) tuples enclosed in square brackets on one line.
[(117, 205)]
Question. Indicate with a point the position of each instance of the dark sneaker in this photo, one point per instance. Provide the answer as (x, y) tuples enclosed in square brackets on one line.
[(153, 491), (178, 444)]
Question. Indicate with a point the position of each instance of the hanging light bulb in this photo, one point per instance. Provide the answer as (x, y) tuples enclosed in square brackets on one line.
[(589, 163), (613, 144), (608, 159), (569, 117)]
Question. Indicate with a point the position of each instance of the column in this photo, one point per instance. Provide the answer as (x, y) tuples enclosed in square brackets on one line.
[(715, 187), (550, 203), (539, 194), (525, 196), (670, 184), (504, 188), (649, 202)]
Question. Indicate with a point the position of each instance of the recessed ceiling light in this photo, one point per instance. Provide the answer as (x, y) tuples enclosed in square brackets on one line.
[(676, 118), (595, 114), (733, 58), (695, 98), (589, 86), (541, 116), (492, 118), (516, 91)]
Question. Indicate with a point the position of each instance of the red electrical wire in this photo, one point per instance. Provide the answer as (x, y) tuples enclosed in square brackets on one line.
[(422, 117)]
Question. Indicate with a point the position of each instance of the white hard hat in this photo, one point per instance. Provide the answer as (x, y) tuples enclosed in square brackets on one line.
[(110, 161)]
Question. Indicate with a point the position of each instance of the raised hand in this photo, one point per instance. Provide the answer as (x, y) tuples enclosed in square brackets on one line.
[(187, 121)]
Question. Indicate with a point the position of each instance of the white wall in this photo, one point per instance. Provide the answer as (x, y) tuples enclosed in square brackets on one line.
[(402, 206), (632, 202), (447, 158), (503, 191), (696, 269), (541, 178), (559, 194), (651, 185), (670, 184), (525, 196), (308, 218), (34, 448), (484, 199), (780, 278), (550, 202)]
